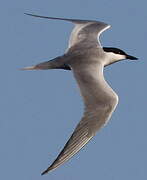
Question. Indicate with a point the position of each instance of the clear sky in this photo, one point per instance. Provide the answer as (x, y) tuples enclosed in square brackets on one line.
[(40, 109)]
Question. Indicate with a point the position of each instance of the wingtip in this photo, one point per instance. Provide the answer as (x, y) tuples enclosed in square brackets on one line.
[(44, 172), (50, 168), (29, 14)]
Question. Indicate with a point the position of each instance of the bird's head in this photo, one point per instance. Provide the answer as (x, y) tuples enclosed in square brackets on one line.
[(115, 54)]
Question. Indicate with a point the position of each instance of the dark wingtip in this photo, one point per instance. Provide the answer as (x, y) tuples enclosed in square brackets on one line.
[(47, 170), (44, 172), (27, 14)]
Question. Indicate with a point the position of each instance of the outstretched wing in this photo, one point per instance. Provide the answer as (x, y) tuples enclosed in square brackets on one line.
[(85, 31), (78, 139), (100, 101)]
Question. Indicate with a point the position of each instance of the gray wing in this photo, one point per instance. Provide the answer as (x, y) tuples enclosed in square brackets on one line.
[(78, 139), (85, 31), (100, 101)]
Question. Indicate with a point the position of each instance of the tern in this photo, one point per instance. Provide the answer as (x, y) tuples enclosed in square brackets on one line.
[(86, 58)]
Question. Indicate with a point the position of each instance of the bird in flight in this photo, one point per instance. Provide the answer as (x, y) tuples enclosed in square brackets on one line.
[(86, 58)]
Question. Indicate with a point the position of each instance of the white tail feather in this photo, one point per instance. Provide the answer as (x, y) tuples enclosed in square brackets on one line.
[(30, 68)]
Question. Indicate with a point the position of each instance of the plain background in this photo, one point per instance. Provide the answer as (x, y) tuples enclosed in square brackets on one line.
[(39, 109)]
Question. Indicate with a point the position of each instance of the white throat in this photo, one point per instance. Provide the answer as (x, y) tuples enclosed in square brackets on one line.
[(113, 57)]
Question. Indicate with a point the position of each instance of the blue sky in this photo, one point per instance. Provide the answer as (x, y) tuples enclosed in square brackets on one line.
[(40, 109)]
